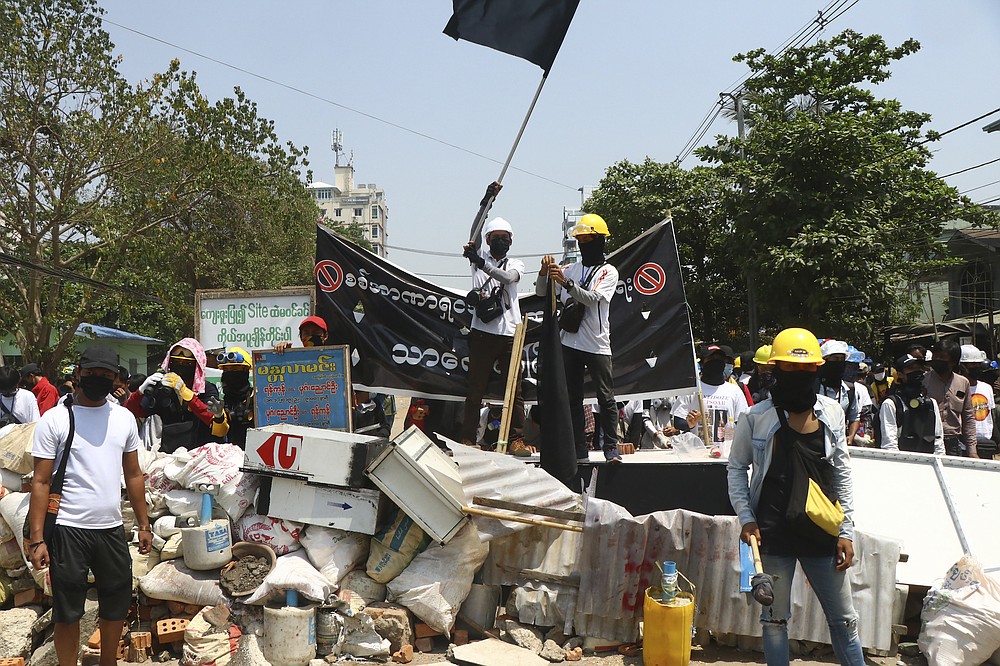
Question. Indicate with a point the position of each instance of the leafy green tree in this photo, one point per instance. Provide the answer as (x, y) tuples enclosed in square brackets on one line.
[(834, 209), (634, 197), (150, 186)]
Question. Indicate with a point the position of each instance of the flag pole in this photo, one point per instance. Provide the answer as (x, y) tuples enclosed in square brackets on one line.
[(477, 225)]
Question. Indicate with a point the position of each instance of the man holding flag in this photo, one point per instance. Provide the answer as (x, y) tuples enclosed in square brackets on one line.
[(586, 289)]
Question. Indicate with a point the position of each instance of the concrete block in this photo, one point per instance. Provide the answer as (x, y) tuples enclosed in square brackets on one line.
[(393, 623), (492, 652), (424, 644)]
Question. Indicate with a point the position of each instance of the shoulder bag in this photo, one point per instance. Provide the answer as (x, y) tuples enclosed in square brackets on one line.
[(572, 313), (814, 510), (56, 483)]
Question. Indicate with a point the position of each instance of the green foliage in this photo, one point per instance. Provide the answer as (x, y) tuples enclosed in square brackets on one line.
[(832, 212), (352, 231), (634, 197), (150, 186)]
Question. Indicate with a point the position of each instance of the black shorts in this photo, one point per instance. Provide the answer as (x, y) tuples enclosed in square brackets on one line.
[(74, 552)]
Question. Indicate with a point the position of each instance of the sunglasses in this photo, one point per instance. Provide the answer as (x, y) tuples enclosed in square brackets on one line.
[(182, 360)]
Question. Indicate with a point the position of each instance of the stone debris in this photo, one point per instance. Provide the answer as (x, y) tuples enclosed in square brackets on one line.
[(528, 638), (553, 652)]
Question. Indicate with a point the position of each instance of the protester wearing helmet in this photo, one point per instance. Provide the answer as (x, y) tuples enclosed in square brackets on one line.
[(974, 366), (188, 407), (833, 385), (909, 420), (761, 379), (586, 288), (495, 316), (796, 417), (237, 393), (953, 395)]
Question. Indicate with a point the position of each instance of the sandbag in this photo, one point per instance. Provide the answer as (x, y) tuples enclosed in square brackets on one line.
[(11, 481), (182, 501), (141, 564), (438, 580), (10, 555), (334, 552), (166, 526), (292, 572), (961, 618), (394, 546), (16, 441), (14, 510), (281, 536), (172, 548), (219, 465), (208, 644), (172, 581), (6, 533)]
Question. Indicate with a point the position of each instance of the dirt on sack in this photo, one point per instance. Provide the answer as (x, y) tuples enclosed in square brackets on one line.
[(244, 575)]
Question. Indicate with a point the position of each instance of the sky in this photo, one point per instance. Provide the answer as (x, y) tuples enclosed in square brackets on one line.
[(633, 79)]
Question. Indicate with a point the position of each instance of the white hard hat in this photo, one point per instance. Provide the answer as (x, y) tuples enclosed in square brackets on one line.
[(972, 354), (497, 224), (831, 347)]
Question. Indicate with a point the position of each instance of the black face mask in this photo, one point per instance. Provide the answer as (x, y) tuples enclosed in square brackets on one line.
[(711, 371), (794, 390), (913, 387), (972, 374), (96, 387), (235, 385), (499, 247), (592, 253), (851, 371), (832, 372), (941, 367), (317, 340), (185, 372)]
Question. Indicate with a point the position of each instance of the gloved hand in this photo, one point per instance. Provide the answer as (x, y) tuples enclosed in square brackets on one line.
[(215, 406), (661, 441), (470, 253), (173, 380), (150, 382), (492, 190)]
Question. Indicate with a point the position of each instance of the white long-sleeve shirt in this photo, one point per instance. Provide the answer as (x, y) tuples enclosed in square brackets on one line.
[(890, 428)]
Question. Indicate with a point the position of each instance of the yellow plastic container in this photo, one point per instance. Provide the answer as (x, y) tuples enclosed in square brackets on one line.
[(666, 639)]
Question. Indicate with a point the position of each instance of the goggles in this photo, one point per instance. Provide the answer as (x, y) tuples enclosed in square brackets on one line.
[(182, 360), (232, 357)]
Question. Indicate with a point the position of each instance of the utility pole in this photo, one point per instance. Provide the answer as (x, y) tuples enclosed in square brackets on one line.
[(737, 98)]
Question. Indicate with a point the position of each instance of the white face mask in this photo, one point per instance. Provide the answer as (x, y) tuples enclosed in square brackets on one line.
[(879, 376)]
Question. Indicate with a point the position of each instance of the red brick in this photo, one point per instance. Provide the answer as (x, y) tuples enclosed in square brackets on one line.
[(13, 661), (424, 644), (423, 631), (95, 640), (171, 629), (176, 607), (460, 637)]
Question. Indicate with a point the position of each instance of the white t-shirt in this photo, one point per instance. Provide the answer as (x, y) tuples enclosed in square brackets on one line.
[(92, 491), (511, 317), (594, 336), (864, 397), (23, 406), (723, 404), (983, 405)]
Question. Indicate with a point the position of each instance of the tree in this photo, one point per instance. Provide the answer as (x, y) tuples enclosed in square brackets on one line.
[(150, 186), (634, 197), (834, 210)]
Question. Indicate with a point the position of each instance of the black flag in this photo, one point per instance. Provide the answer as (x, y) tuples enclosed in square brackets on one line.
[(529, 29), (556, 445)]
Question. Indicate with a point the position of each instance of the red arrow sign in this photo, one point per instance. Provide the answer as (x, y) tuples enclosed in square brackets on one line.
[(280, 450)]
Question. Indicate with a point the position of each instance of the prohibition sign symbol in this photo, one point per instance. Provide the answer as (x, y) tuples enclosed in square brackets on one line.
[(329, 276), (649, 279)]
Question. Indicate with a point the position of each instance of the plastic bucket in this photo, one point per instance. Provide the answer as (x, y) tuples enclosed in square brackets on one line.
[(289, 635), (208, 546), (666, 639)]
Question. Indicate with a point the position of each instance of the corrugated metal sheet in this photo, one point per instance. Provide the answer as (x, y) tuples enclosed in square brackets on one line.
[(503, 477), (617, 564)]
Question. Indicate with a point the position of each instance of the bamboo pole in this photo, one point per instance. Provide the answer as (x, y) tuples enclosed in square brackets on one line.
[(513, 378), (520, 519)]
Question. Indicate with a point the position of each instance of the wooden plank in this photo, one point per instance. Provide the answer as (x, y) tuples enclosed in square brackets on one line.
[(513, 378), (528, 508), (520, 519)]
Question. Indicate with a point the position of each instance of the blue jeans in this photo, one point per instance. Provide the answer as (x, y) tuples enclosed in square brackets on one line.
[(834, 593)]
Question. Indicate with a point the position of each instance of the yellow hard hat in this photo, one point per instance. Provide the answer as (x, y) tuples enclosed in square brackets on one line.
[(796, 345), (590, 223), (763, 355), (736, 363), (234, 358)]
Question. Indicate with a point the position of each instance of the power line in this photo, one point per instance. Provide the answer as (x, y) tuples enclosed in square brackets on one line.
[(955, 173), (437, 253), (973, 189), (76, 277), (333, 103)]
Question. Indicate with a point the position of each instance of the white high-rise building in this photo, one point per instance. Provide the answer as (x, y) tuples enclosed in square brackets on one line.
[(344, 203), (571, 251)]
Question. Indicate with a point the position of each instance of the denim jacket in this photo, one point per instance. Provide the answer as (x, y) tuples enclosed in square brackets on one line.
[(754, 444)]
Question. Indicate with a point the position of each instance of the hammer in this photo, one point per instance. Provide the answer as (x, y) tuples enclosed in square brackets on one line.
[(762, 584)]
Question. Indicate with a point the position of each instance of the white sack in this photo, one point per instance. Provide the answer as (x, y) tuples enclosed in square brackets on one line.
[(172, 581), (16, 441), (281, 536), (438, 580), (361, 639), (12, 481), (961, 617), (14, 509), (219, 465), (334, 552), (292, 572), (180, 502)]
